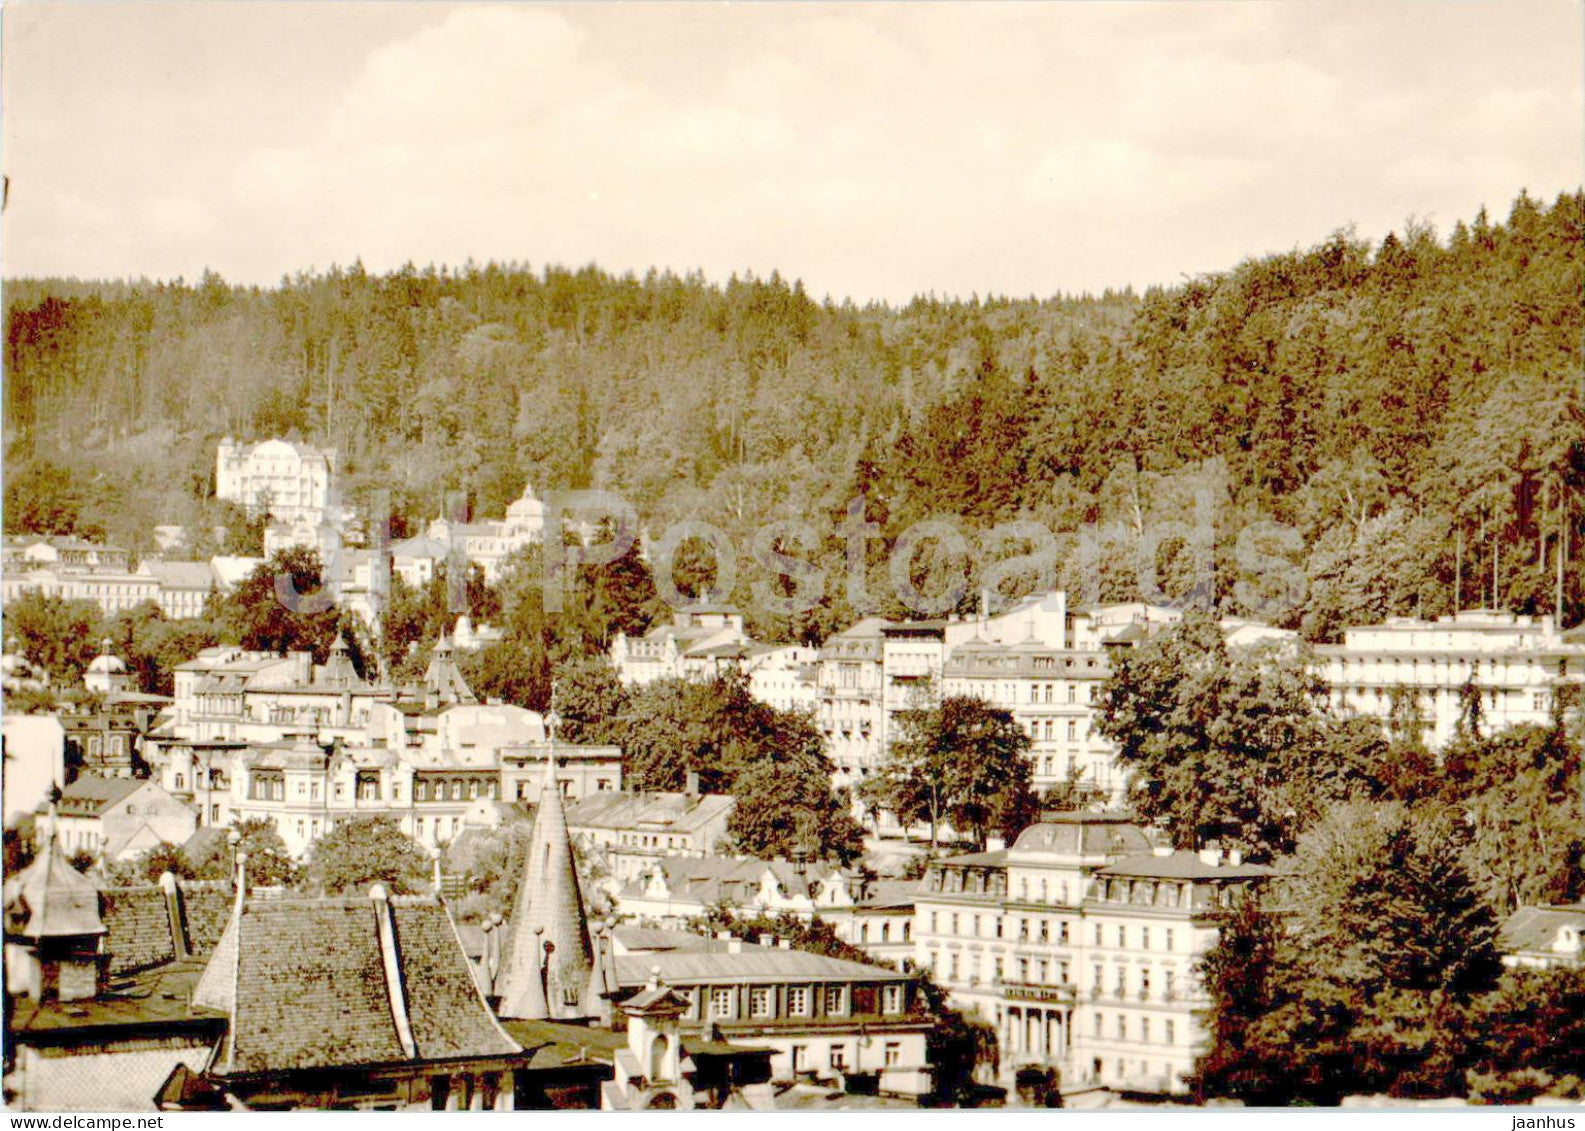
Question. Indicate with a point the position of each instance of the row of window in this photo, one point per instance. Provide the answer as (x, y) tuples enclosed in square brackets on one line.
[(1168, 1032), (797, 1001), (1032, 929)]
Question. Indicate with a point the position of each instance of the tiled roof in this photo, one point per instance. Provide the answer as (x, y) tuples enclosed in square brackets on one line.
[(90, 795), (1536, 928), (311, 990), (751, 963), (156, 1001), (181, 575), (675, 812)]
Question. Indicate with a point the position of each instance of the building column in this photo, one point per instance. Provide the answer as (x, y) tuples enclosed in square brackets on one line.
[(506, 1098), (453, 1093), (475, 1095)]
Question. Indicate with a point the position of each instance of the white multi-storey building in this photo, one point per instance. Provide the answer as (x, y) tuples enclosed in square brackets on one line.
[(1079, 943), (73, 570), (490, 542), (1515, 663), (293, 482)]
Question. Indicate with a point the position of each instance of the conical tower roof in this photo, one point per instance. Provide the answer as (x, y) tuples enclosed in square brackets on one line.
[(547, 920), (444, 678), (49, 899)]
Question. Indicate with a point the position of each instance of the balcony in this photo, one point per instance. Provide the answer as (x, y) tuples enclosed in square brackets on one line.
[(1059, 994)]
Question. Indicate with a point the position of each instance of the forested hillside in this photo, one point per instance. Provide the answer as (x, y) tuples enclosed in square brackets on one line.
[(1390, 403)]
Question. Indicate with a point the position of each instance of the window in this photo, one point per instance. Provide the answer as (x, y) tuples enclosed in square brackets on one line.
[(1171, 1032), (1095, 986), (893, 1054), (837, 998), (1073, 730), (1045, 931), (1122, 980), (953, 968), (421, 791), (1144, 985), (1098, 935), (1122, 938), (1144, 938), (839, 1058), (1166, 985), (798, 1001), (181, 781), (932, 922), (473, 791), (954, 923), (760, 1002), (892, 999), (800, 1058), (1062, 927), (1099, 1018), (1169, 936), (1122, 1027), (721, 1002), (1144, 1029)]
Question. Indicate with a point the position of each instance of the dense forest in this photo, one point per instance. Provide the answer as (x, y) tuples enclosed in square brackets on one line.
[(1411, 411)]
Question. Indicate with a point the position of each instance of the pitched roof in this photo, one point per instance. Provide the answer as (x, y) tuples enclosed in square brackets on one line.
[(674, 812), (750, 963), (1083, 834), (181, 575), (1535, 928), (90, 795), (311, 987)]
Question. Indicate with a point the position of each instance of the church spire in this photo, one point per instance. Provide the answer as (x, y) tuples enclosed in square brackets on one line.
[(547, 961)]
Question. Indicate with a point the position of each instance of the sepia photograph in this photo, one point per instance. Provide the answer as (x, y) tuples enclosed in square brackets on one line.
[(794, 557)]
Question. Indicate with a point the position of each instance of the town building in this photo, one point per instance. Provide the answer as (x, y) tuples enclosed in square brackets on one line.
[(1516, 664), (489, 543), (115, 818), (823, 1018), (288, 481), (183, 588), (660, 652), (73, 570), (1079, 943), (875, 915), (631, 829), (1544, 937)]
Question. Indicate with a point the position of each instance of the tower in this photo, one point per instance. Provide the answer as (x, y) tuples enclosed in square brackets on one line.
[(547, 959)]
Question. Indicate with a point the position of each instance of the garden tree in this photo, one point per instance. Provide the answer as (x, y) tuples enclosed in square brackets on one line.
[(1238, 973), (1529, 1034), (258, 615), (592, 701), (268, 862), (1222, 745), (961, 761), (42, 498), (772, 762), (1519, 791), (57, 636), (147, 867), (18, 850), (1384, 947), (358, 853), (419, 616), (153, 645), (509, 670), (791, 810)]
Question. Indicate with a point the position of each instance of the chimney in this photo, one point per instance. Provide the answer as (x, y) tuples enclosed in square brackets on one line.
[(1235, 857), (995, 843), (1161, 850), (784, 944), (734, 946), (692, 786), (1211, 856), (724, 936), (767, 940)]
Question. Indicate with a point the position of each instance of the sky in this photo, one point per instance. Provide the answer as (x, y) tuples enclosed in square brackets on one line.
[(875, 151)]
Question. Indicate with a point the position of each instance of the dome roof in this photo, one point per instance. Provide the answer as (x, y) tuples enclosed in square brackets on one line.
[(108, 664), (1083, 834), (529, 506)]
